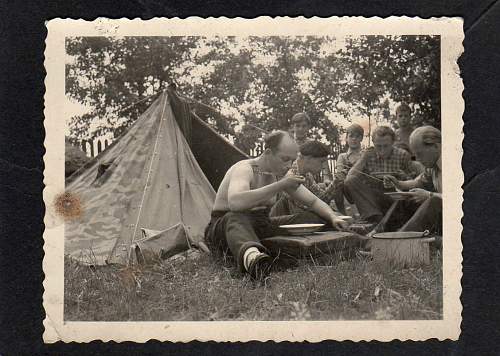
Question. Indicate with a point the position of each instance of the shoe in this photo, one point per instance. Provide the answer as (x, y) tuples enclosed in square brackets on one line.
[(260, 267), (284, 263)]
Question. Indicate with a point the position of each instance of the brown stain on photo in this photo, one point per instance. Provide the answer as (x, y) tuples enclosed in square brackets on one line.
[(68, 206)]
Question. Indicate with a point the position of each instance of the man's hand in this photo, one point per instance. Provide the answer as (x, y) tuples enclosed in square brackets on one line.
[(322, 185), (391, 180), (292, 181), (339, 224), (419, 195)]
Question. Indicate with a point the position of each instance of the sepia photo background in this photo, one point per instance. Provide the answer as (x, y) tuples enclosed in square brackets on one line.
[(257, 77)]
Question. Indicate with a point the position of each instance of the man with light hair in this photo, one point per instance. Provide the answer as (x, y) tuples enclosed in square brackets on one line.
[(240, 216), (425, 143)]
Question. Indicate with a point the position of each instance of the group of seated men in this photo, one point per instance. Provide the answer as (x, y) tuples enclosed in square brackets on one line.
[(258, 195)]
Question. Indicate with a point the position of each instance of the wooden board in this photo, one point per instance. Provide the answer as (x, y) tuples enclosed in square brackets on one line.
[(320, 243)]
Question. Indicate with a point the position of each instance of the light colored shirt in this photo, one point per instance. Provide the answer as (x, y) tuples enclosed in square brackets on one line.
[(403, 135), (345, 161), (432, 176)]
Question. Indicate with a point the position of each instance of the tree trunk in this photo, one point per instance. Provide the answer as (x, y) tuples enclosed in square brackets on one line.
[(369, 129)]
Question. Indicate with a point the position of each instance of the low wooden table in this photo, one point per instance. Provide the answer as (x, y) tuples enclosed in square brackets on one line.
[(319, 243)]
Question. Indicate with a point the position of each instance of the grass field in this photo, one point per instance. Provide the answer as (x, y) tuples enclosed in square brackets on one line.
[(199, 288)]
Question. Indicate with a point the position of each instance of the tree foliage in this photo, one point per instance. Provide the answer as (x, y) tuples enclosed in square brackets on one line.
[(405, 68), (258, 82)]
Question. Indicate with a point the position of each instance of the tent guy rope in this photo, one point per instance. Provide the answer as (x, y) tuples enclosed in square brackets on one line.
[(149, 174)]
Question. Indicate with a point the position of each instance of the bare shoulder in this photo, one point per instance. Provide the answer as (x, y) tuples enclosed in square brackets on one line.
[(242, 169), (243, 164), (241, 176)]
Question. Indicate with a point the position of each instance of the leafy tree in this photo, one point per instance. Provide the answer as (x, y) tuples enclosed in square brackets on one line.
[(110, 74), (402, 68), (262, 81)]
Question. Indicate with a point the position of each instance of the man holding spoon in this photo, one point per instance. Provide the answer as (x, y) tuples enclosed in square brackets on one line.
[(240, 216)]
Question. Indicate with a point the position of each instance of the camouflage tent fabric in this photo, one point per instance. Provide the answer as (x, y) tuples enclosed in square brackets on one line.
[(148, 180)]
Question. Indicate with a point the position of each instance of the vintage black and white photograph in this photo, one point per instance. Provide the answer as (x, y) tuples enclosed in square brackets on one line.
[(235, 177)]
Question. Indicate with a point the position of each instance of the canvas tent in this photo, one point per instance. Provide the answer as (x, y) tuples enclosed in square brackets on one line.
[(149, 192)]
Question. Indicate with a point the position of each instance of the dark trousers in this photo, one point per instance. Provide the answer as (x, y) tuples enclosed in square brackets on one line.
[(339, 197), (368, 196), (427, 217), (234, 232)]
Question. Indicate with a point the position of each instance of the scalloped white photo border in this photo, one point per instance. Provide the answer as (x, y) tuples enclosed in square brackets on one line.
[(452, 107)]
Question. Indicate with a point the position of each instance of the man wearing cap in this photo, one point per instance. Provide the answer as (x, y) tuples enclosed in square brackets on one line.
[(301, 124), (308, 164)]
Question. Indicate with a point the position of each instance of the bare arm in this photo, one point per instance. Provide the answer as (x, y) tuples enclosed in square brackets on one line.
[(303, 195), (406, 184), (241, 197), (410, 184)]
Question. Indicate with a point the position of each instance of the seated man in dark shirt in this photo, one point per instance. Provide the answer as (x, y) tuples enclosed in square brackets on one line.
[(313, 155), (301, 125)]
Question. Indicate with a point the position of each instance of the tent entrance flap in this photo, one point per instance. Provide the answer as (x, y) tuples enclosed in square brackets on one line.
[(156, 245)]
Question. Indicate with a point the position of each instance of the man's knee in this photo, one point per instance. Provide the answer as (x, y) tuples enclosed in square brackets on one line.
[(234, 216), (435, 200), (435, 203), (349, 182), (238, 222)]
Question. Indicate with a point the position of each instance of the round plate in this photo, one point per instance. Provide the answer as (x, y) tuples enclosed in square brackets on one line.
[(399, 235), (302, 229), (347, 218)]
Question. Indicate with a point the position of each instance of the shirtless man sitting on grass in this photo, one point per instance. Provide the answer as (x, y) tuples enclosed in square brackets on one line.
[(240, 217)]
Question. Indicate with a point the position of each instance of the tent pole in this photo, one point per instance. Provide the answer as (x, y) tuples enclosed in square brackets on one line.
[(149, 175)]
